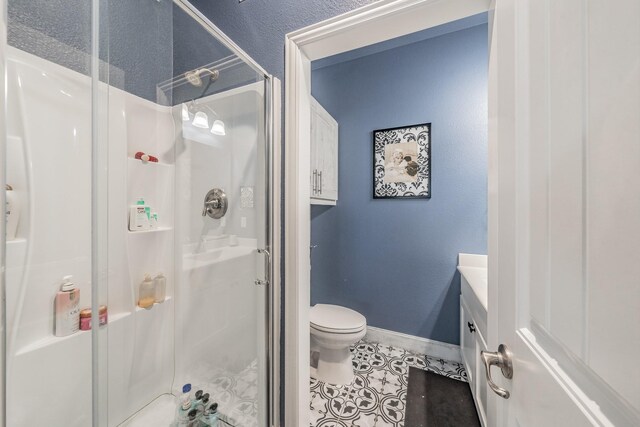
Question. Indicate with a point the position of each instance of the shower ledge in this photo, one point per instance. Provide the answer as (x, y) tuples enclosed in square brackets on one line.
[(153, 230), (53, 340)]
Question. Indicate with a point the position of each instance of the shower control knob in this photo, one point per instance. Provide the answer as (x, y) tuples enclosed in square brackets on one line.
[(215, 204)]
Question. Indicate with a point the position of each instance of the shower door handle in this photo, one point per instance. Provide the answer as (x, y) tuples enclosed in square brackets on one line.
[(267, 267)]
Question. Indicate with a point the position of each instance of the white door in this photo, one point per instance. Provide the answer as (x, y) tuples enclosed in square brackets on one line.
[(564, 219)]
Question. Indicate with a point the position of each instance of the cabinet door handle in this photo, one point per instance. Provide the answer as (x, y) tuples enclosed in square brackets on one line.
[(472, 327), (315, 180), (320, 182)]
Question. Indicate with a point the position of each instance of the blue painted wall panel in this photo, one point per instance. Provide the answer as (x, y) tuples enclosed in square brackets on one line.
[(135, 38), (259, 26), (395, 260)]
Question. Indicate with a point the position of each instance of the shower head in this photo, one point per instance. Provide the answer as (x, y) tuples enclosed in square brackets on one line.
[(195, 77)]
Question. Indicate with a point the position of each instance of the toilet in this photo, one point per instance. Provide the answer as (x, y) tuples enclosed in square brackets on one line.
[(333, 330)]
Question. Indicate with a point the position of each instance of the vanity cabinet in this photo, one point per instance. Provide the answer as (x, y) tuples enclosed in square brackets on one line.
[(472, 342), (324, 156)]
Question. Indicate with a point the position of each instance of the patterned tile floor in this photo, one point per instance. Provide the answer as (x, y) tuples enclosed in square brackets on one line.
[(378, 393)]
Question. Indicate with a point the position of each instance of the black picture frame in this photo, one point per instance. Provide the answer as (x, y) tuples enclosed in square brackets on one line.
[(399, 177)]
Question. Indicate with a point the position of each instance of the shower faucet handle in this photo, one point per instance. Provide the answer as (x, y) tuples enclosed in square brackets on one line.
[(215, 204)]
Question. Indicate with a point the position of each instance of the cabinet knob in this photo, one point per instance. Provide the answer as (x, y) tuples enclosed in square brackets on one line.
[(472, 327)]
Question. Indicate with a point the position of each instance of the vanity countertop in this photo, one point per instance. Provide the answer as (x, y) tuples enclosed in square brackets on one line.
[(476, 277)]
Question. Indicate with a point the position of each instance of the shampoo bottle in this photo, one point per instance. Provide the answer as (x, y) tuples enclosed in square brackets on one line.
[(160, 285), (147, 292), (12, 210), (67, 308)]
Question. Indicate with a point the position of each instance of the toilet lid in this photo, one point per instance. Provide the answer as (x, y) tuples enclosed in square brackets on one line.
[(327, 317)]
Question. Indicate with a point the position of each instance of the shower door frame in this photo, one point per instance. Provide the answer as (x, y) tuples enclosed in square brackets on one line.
[(3, 145), (380, 21)]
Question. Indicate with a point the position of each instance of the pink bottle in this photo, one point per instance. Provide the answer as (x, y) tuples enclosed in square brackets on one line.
[(67, 308)]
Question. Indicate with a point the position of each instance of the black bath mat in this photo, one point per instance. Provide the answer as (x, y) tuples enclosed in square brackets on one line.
[(437, 401)]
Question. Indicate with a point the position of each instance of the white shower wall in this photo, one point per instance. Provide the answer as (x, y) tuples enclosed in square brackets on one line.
[(49, 165), (48, 121)]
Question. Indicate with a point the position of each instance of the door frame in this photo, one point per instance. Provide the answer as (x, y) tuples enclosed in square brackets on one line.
[(380, 21)]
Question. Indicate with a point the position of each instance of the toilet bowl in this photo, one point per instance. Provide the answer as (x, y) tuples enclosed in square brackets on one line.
[(333, 330)]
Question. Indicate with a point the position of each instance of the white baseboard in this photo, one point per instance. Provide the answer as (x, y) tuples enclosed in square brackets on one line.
[(414, 344)]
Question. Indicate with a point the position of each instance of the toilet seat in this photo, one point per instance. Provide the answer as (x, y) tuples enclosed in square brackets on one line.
[(336, 319)]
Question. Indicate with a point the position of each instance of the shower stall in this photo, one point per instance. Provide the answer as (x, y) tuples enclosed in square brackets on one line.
[(136, 154)]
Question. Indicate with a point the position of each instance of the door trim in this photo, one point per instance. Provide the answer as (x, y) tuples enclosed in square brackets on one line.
[(374, 23)]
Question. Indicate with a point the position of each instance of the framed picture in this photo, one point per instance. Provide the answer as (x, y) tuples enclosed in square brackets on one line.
[(402, 162)]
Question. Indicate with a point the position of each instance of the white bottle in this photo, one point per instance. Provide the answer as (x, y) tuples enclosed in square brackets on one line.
[(67, 308), (12, 212), (147, 292), (160, 285), (138, 219)]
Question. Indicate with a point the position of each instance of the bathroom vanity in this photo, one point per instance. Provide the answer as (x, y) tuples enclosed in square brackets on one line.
[(473, 325)]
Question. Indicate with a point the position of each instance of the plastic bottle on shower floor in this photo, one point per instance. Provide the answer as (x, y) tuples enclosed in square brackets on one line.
[(184, 406), (210, 416), (188, 419), (205, 401), (197, 399)]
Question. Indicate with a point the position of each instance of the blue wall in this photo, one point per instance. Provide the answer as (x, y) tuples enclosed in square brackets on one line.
[(135, 38), (259, 26), (395, 260), (145, 42)]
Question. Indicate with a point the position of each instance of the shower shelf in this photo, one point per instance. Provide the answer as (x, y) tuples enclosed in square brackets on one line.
[(140, 309), (17, 241), (52, 340), (141, 163), (155, 230)]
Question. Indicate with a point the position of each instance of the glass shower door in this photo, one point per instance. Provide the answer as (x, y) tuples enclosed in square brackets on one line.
[(55, 238), (202, 120), (221, 212), (113, 107)]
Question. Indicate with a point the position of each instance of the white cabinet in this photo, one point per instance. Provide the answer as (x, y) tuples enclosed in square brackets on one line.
[(324, 156), (472, 342)]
